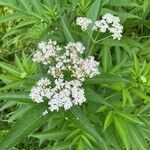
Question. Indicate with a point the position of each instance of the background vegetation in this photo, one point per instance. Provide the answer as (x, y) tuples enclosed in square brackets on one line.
[(116, 115)]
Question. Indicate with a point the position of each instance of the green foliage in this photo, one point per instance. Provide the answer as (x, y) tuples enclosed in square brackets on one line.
[(116, 115)]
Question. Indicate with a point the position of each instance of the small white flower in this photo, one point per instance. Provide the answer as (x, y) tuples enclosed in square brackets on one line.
[(84, 22), (43, 82), (75, 47), (109, 23), (110, 18), (38, 57), (35, 94), (41, 45), (101, 25)]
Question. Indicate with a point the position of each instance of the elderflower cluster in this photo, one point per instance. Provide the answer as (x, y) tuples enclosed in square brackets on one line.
[(48, 51), (69, 69), (64, 94), (84, 22), (108, 23)]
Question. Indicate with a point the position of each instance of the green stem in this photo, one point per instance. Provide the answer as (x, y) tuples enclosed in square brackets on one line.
[(103, 39), (93, 40)]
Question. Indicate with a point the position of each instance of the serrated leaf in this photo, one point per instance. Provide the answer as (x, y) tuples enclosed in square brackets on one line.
[(13, 95), (53, 135), (87, 141), (19, 112), (106, 78), (122, 130), (12, 17), (73, 134), (126, 3), (141, 94), (87, 126), (36, 4), (26, 125), (112, 138), (146, 6), (19, 64), (11, 4), (138, 139), (108, 120), (65, 145), (93, 96), (131, 118), (13, 85), (106, 58), (67, 31), (7, 105), (89, 137), (124, 96), (80, 145), (9, 68), (25, 4)]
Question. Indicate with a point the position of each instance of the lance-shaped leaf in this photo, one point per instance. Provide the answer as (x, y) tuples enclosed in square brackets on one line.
[(67, 31), (122, 130), (88, 127), (30, 121)]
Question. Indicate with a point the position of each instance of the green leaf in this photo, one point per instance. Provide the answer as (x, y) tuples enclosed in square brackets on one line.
[(73, 134), (13, 95), (7, 105), (52, 135), (93, 96), (122, 130), (80, 145), (26, 4), (112, 138), (12, 17), (13, 85), (124, 95), (146, 6), (106, 78), (141, 94), (137, 139), (67, 31), (11, 4), (26, 22), (118, 54), (19, 64), (108, 120), (88, 127), (65, 145), (106, 59), (87, 141), (36, 4), (30, 121), (9, 68), (19, 112), (131, 118), (125, 3), (13, 31)]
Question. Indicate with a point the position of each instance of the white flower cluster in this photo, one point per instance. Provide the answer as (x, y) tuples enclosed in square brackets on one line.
[(64, 94), (107, 23), (48, 51), (84, 22), (61, 61)]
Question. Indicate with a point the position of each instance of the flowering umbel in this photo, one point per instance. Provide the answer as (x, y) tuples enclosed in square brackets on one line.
[(67, 90), (108, 23)]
